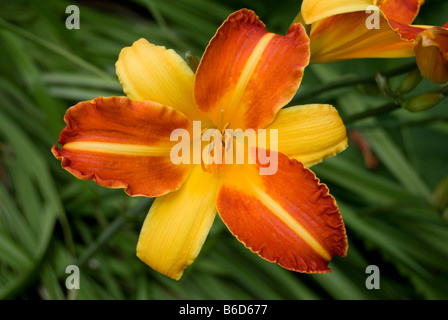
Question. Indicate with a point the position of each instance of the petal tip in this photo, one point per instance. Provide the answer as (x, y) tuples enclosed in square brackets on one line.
[(141, 254)]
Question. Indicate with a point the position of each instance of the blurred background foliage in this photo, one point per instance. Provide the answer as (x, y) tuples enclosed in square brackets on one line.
[(391, 183)]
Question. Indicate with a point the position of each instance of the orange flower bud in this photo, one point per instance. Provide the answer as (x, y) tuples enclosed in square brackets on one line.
[(431, 50)]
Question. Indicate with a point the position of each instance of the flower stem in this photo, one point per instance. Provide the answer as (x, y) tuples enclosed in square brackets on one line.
[(386, 108), (351, 81)]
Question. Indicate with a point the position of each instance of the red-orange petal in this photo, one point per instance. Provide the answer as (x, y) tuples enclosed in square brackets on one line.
[(288, 218), (121, 143), (407, 32), (403, 11), (247, 74)]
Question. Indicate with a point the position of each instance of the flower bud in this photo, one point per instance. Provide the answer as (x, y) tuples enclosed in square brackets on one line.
[(409, 82), (383, 84), (422, 102), (431, 51)]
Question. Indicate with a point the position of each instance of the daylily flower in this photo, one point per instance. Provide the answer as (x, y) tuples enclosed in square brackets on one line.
[(245, 77), (340, 30)]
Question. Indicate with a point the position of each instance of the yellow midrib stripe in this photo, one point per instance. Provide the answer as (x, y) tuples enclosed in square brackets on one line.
[(293, 224), (117, 148), (248, 70)]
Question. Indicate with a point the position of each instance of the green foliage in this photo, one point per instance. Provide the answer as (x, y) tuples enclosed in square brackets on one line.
[(395, 212)]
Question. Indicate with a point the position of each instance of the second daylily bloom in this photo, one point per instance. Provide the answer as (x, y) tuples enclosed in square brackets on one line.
[(245, 77), (340, 30)]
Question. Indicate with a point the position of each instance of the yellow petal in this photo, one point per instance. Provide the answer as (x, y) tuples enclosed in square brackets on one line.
[(150, 72), (310, 133), (177, 225), (314, 10)]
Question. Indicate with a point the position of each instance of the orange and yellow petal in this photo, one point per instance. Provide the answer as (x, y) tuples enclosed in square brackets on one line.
[(346, 36), (288, 218), (314, 10), (121, 143), (403, 11), (247, 74), (310, 133), (431, 51), (154, 73), (177, 225)]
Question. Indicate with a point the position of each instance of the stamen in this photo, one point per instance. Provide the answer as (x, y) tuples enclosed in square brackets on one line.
[(221, 118), (212, 167), (226, 136)]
